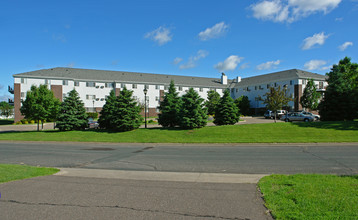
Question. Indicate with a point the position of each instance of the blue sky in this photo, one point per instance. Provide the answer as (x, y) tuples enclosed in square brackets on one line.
[(192, 38)]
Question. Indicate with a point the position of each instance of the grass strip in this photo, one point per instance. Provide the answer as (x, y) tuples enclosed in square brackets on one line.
[(315, 132), (311, 196), (11, 172)]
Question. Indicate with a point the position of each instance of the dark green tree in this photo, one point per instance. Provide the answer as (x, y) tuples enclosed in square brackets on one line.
[(340, 98), (169, 108), (243, 103), (213, 100), (226, 112), (107, 111), (126, 113), (39, 104), (310, 97), (193, 113), (275, 99), (6, 109), (72, 114)]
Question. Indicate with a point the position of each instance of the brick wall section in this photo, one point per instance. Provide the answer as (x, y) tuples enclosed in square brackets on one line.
[(17, 102), (298, 94), (161, 95), (152, 112), (57, 91), (117, 91)]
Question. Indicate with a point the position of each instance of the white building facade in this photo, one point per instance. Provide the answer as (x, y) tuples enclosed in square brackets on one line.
[(94, 85)]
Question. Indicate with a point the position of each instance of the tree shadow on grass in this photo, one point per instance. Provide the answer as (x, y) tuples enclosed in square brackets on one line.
[(336, 125)]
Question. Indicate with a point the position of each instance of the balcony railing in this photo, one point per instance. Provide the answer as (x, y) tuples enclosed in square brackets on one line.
[(11, 102), (11, 90)]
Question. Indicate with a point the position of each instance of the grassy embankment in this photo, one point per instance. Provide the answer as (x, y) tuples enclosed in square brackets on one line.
[(314, 132), (311, 196), (11, 172)]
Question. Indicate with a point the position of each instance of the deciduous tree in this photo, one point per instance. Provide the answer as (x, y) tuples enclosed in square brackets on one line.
[(275, 99)]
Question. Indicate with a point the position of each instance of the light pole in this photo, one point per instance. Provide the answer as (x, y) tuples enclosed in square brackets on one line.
[(93, 106), (145, 105)]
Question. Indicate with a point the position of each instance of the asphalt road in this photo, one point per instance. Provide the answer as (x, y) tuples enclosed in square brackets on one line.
[(243, 159)]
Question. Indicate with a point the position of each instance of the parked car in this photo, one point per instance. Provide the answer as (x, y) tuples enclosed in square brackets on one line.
[(271, 114), (297, 116), (316, 117), (268, 114), (92, 123)]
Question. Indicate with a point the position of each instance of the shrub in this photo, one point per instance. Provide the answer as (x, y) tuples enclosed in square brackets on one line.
[(32, 122), (19, 123)]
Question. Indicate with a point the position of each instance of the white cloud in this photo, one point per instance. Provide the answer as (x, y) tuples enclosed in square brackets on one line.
[(310, 42), (291, 10), (177, 60), (315, 65), (345, 45), (268, 65), (215, 31), (244, 66), (70, 65), (193, 59), (229, 64), (160, 35)]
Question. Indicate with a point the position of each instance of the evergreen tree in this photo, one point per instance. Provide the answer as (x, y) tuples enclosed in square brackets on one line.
[(126, 113), (226, 112), (213, 100), (340, 98), (39, 104), (243, 104), (192, 114), (169, 108), (107, 111), (72, 114), (310, 97)]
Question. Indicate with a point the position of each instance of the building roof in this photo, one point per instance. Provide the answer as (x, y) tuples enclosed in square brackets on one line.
[(121, 77), (280, 76)]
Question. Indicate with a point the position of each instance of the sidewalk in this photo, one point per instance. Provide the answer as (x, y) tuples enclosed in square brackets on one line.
[(106, 194)]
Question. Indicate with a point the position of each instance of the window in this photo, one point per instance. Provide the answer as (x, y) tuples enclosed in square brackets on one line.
[(64, 95), (291, 82), (157, 98), (237, 90), (200, 89), (275, 84), (320, 85), (90, 97), (157, 87), (268, 86), (166, 87), (255, 87), (157, 110), (303, 82), (180, 88), (134, 86), (22, 95), (77, 83), (123, 85), (109, 85), (23, 80), (90, 84), (65, 82), (47, 82), (146, 86), (232, 89)]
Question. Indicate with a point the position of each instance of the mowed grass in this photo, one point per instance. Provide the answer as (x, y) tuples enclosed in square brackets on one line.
[(11, 172), (311, 196), (314, 132)]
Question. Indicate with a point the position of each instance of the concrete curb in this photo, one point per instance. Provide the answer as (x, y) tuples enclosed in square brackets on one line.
[(162, 176)]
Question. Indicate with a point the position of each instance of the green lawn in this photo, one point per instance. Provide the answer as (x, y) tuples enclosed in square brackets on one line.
[(11, 172), (311, 196), (254, 133)]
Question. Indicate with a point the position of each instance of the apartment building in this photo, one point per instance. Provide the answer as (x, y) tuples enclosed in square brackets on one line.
[(94, 85)]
